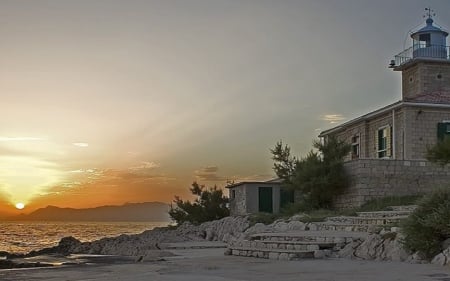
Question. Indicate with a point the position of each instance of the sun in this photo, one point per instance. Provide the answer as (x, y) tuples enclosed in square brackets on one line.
[(20, 206)]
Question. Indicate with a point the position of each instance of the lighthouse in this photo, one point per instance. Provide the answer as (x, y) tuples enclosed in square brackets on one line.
[(425, 65)]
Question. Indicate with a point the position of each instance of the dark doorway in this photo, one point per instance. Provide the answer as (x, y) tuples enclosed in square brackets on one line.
[(286, 197), (265, 199)]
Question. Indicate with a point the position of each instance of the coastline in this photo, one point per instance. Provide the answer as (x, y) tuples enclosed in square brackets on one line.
[(191, 252), (212, 265)]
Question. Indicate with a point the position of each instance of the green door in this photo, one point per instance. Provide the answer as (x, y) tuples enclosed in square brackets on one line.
[(265, 199)]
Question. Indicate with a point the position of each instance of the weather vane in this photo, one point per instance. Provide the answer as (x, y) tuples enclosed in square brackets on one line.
[(429, 13)]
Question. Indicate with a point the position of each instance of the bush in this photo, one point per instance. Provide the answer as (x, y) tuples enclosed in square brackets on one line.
[(440, 153), (264, 218), (210, 205), (382, 204), (428, 226), (319, 176)]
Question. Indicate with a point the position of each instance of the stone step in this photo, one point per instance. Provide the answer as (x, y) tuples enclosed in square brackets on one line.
[(285, 245), (310, 236), (383, 214), (336, 226), (369, 220), (410, 208), (192, 245), (294, 245), (275, 253)]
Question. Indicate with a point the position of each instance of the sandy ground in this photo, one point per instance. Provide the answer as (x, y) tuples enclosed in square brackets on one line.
[(212, 265)]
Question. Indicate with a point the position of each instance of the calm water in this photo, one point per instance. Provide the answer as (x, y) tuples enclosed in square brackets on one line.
[(21, 237)]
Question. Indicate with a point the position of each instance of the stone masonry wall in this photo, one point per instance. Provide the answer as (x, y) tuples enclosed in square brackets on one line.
[(238, 205), (421, 131), (376, 178)]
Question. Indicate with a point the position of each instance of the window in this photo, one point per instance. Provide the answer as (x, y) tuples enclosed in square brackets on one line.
[(425, 40), (355, 147), (383, 142), (232, 194), (443, 130)]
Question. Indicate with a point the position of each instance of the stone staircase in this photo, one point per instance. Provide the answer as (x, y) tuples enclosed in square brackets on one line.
[(293, 245), (367, 221), (322, 239)]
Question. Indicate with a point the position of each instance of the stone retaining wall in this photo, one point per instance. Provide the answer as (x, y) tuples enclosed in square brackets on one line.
[(377, 178)]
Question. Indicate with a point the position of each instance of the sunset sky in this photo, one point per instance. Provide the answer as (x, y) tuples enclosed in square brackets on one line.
[(107, 102)]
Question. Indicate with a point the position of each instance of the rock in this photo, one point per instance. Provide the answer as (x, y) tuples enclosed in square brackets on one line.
[(446, 244), (440, 259), (297, 217), (415, 258), (228, 252), (281, 226), (369, 248), (210, 235), (395, 229), (283, 257), (296, 225), (273, 256), (312, 227), (372, 229), (319, 254), (349, 250)]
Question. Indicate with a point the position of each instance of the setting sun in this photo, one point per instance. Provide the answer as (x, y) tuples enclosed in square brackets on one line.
[(20, 206)]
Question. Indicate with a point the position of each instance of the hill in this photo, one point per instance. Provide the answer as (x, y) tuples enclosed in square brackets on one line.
[(148, 211)]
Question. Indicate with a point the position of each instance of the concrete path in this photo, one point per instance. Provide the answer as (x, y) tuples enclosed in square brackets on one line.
[(212, 265)]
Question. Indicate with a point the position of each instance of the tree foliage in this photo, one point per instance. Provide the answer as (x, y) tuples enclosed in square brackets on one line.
[(210, 204), (284, 163), (440, 153), (319, 176), (428, 226)]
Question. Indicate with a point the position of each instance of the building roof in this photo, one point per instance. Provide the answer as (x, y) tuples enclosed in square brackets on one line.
[(383, 110), (276, 181), (430, 28)]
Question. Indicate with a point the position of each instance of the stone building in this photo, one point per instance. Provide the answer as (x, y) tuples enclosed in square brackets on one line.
[(258, 196), (389, 144)]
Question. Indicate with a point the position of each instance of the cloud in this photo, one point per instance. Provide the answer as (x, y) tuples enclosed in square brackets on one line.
[(20, 139), (252, 178), (81, 144), (145, 165), (332, 118), (79, 171), (209, 174), (210, 169)]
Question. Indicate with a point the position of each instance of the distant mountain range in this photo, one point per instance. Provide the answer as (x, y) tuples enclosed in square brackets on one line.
[(149, 211)]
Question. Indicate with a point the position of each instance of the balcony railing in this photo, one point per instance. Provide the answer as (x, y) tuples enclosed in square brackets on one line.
[(423, 51)]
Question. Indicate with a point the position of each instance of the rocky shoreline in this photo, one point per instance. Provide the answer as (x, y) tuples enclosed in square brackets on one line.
[(383, 245)]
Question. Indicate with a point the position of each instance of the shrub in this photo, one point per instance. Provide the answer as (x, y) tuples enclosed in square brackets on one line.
[(209, 205), (428, 226), (383, 203), (265, 218), (319, 176)]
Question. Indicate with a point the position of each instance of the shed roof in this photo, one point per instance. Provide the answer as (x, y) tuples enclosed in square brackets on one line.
[(276, 181)]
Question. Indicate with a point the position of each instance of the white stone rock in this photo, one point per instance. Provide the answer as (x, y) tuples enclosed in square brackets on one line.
[(283, 257), (319, 254), (273, 256), (440, 259)]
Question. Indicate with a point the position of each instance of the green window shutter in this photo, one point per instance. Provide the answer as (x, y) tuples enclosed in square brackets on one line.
[(441, 131)]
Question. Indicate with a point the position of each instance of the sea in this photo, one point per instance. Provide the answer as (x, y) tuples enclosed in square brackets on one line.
[(23, 236)]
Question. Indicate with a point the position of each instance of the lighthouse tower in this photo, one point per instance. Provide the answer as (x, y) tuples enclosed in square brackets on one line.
[(425, 66)]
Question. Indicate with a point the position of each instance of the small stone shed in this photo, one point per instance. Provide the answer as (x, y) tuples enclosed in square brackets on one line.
[(258, 197)]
